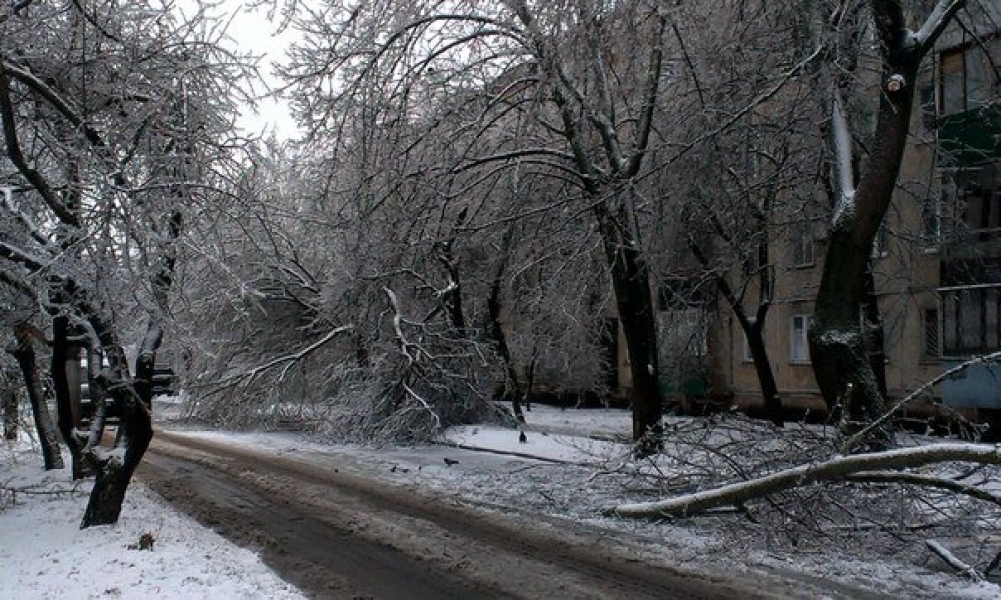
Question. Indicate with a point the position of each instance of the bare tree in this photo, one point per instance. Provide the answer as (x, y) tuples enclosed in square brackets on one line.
[(26, 335), (110, 115), (839, 348), (9, 404), (564, 64)]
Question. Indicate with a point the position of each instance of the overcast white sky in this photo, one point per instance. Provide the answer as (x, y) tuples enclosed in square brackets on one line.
[(251, 31)]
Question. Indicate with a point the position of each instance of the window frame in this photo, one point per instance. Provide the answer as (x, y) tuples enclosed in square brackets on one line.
[(800, 333), (970, 320), (804, 247), (964, 66), (881, 241), (932, 217), (931, 333)]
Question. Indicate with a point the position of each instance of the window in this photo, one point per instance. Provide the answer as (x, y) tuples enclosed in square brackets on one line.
[(755, 259), (931, 218), (799, 346), (931, 346), (970, 320), (978, 201), (802, 247), (926, 100), (968, 76)]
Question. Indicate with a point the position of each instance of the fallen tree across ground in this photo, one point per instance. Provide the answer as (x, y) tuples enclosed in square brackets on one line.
[(838, 468)]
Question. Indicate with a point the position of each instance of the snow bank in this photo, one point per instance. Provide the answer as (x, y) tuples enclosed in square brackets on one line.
[(44, 554)]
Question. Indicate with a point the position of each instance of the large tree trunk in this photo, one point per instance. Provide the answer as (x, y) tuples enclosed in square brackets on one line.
[(876, 331), (135, 431), (68, 417), (839, 347), (512, 388), (611, 190), (135, 397), (631, 283), (763, 368), (24, 352), (11, 414)]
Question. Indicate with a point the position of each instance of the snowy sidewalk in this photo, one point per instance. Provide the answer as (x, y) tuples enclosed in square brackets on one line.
[(45, 555)]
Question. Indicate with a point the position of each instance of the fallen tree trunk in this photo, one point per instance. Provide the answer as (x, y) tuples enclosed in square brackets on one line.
[(837, 468), (953, 561)]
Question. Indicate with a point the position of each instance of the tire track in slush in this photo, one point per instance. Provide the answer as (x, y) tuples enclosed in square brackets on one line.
[(339, 535), (322, 560)]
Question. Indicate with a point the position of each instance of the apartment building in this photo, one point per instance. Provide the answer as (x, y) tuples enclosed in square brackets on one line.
[(936, 261)]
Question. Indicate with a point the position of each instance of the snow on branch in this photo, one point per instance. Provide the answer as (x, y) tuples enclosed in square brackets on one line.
[(953, 561), (837, 468), (936, 22), (860, 435), (759, 100), (14, 281), (26, 259), (295, 357), (16, 155), (928, 481), (841, 140), (24, 218)]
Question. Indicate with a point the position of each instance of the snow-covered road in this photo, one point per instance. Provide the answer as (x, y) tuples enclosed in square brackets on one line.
[(43, 554), (336, 533)]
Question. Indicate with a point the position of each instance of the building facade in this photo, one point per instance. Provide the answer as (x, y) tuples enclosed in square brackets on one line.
[(936, 261)]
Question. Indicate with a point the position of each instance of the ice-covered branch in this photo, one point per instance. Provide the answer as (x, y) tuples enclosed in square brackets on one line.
[(928, 481), (16, 155), (936, 22), (22, 257), (860, 435), (512, 155), (837, 468), (953, 561), (19, 284), (293, 358), (841, 140), (29, 223), (649, 99)]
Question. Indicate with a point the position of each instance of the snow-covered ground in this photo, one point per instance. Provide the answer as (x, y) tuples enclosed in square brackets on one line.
[(581, 464), (45, 555)]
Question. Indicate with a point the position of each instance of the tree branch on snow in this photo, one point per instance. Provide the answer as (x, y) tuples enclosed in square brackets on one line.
[(953, 561), (837, 468), (949, 485), (397, 324), (854, 440), (405, 346)]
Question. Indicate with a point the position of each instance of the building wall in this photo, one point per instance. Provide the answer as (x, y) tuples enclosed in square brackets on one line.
[(906, 276), (908, 273)]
